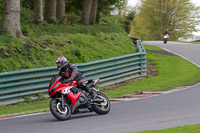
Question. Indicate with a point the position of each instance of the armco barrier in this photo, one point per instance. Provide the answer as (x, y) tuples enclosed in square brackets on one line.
[(16, 85)]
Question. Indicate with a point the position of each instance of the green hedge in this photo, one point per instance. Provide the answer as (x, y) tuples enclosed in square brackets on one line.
[(45, 42)]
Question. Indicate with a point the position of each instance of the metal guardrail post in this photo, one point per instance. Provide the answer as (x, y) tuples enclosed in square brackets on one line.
[(142, 52)]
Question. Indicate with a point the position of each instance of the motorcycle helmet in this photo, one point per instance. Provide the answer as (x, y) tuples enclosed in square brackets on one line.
[(61, 62)]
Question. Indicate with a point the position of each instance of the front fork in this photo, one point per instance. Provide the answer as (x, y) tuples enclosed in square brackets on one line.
[(62, 101)]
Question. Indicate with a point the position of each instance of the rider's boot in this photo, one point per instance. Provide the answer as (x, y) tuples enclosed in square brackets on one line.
[(88, 103), (92, 92)]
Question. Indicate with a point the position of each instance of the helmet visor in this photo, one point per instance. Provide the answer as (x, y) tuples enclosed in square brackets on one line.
[(59, 64)]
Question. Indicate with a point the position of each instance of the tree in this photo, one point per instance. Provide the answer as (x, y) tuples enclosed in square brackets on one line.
[(179, 16), (129, 18), (11, 17), (38, 9), (106, 6), (122, 7), (86, 12), (75, 7), (93, 11), (50, 10), (60, 10)]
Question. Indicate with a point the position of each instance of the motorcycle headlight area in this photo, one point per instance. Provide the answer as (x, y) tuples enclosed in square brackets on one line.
[(67, 90)]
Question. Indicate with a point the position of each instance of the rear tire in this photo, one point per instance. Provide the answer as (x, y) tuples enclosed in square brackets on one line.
[(102, 107), (58, 112)]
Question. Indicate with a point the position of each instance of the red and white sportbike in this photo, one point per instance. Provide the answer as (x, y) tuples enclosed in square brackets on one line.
[(67, 99)]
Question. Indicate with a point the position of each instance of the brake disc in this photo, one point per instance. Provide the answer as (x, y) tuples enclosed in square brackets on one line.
[(58, 106)]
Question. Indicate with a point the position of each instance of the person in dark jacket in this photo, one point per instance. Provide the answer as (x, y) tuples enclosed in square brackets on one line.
[(166, 32), (70, 72)]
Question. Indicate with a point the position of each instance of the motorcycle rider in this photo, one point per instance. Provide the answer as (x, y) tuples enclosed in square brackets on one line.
[(166, 32), (70, 72)]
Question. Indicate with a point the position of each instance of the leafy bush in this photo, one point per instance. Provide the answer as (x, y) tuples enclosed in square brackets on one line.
[(78, 43), (26, 16), (54, 20), (74, 17), (41, 97), (27, 99), (108, 20), (26, 30)]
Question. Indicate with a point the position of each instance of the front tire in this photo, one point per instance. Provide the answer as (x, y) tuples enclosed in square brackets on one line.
[(58, 112), (102, 107), (165, 41)]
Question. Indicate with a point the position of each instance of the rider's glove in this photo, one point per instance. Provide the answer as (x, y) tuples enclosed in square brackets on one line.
[(61, 73)]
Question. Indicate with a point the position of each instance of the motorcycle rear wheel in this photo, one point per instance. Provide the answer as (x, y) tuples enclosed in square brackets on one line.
[(58, 112), (102, 107)]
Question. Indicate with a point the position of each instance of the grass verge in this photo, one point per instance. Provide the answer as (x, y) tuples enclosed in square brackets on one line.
[(45, 43), (194, 42), (24, 108), (197, 42), (173, 71), (183, 129)]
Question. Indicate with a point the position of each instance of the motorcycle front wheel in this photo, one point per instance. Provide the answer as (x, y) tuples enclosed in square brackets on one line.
[(165, 41), (58, 112), (102, 107)]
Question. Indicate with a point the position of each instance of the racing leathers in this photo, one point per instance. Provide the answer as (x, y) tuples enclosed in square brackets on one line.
[(166, 33), (70, 73)]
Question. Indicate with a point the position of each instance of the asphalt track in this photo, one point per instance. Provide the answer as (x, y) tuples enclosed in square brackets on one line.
[(186, 50), (158, 112)]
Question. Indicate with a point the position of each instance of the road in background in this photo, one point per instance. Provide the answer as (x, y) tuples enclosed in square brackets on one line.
[(187, 50)]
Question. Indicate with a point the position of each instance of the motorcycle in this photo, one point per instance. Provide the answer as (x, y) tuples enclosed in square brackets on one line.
[(67, 99), (165, 38)]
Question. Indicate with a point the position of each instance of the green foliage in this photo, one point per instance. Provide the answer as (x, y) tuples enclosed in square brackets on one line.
[(27, 99), (129, 18), (74, 9), (54, 20), (26, 16), (73, 17), (149, 47), (24, 108), (49, 40), (179, 16), (123, 20), (182, 129), (26, 30), (29, 4), (108, 20), (45, 43), (74, 6), (75, 29), (106, 6), (126, 21), (41, 97)]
